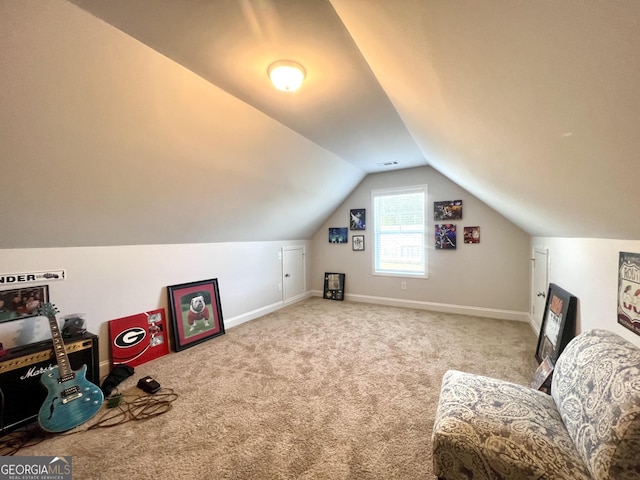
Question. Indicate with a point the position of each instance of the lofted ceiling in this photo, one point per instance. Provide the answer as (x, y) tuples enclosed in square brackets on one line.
[(533, 107), (231, 44)]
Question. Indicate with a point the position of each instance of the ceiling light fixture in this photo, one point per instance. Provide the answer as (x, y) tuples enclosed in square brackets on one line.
[(286, 75)]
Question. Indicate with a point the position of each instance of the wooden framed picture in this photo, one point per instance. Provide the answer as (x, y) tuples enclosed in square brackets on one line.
[(558, 323), (196, 313), (334, 286), (357, 243)]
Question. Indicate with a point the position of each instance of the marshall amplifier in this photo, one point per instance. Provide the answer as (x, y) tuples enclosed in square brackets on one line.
[(22, 393)]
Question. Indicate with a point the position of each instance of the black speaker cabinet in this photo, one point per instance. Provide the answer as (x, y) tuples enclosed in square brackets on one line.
[(22, 393)]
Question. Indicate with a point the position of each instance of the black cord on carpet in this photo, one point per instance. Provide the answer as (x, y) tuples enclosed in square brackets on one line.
[(128, 408)]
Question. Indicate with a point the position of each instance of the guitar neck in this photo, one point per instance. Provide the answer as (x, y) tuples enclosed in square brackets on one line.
[(66, 373)]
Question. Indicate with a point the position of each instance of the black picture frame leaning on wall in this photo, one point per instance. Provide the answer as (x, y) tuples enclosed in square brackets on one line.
[(558, 323), (334, 286), (196, 312)]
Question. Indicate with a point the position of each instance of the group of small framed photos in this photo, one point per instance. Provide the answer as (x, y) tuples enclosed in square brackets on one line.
[(357, 221), (446, 233)]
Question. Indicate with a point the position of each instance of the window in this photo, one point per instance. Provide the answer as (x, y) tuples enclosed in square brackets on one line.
[(399, 231)]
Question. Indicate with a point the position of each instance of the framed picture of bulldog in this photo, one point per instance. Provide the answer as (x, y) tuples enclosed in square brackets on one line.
[(196, 313)]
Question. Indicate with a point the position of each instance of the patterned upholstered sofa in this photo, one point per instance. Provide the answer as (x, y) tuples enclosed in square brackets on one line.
[(588, 428)]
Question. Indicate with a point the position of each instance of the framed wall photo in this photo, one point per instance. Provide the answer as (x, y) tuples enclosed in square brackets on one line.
[(447, 210), (196, 313), (357, 219), (558, 323), (338, 234), (357, 242), (445, 236), (471, 234), (334, 286), (24, 302)]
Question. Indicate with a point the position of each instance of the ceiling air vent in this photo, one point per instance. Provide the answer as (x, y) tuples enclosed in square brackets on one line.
[(387, 164)]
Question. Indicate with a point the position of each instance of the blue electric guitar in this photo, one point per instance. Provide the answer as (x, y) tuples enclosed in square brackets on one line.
[(72, 399)]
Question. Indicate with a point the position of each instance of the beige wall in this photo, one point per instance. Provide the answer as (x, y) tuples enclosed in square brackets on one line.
[(107, 142), (588, 269), (107, 283), (490, 278)]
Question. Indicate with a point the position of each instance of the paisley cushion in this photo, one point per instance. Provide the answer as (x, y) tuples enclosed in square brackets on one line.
[(495, 430), (596, 387)]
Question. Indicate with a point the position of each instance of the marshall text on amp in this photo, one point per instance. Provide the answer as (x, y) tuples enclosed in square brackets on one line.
[(22, 393)]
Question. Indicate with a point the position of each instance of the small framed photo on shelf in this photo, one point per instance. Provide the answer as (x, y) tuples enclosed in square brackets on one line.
[(357, 242), (357, 219), (558, 323), (196, 313), (334, 286)]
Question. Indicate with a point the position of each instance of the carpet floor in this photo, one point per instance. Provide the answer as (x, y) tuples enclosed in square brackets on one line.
[(317, 390)]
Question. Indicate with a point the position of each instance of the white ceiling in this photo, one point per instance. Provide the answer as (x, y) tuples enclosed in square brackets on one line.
[(534, 107), (531, 106), (231, 44)]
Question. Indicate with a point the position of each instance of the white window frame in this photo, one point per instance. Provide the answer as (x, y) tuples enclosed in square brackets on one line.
[(422, 243)]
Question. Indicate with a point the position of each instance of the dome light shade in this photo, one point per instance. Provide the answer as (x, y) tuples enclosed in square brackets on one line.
[(286, 75)]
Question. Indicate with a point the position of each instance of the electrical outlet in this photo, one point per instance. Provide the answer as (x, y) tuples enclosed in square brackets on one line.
[(403, 285)]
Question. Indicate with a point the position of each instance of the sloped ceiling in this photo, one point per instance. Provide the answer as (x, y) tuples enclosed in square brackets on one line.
[(531, 106), (534, 107)]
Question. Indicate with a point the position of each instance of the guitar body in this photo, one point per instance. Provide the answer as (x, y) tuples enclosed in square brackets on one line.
[(69, 403)]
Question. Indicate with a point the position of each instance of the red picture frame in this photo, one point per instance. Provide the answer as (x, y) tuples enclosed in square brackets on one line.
[(196, 313)]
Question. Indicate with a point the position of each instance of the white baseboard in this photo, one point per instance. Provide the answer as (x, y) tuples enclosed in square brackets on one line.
[(438, 307), (392, 302), (252, 315), (229, 323)]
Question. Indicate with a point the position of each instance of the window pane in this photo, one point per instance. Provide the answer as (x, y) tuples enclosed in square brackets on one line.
[(400, 231)]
